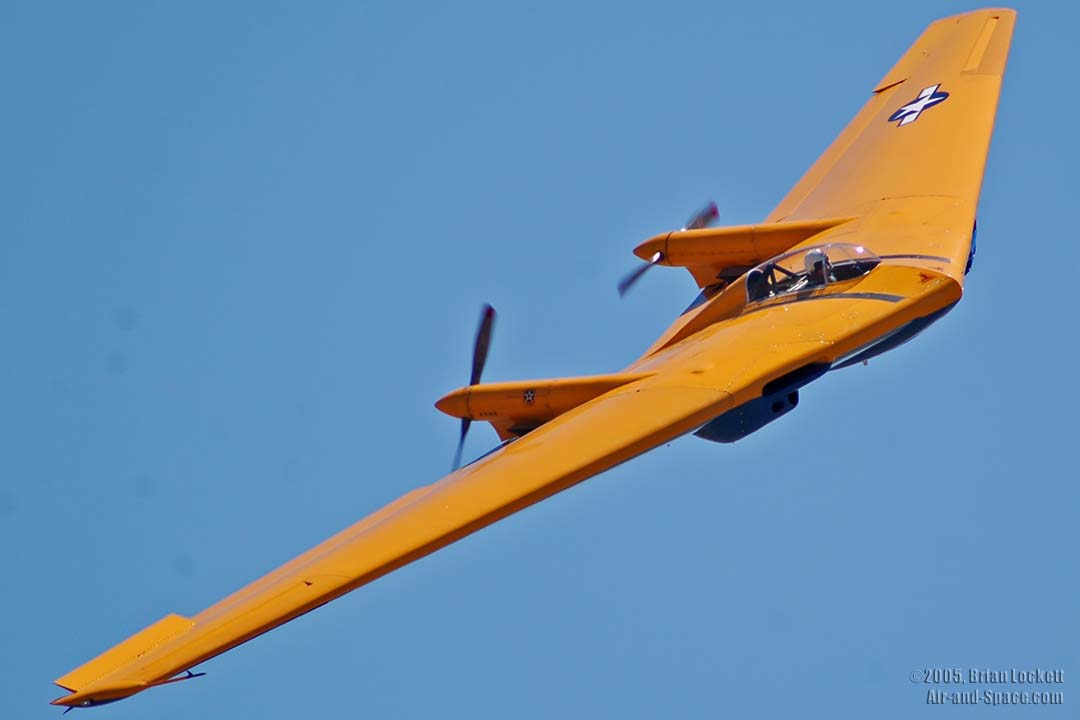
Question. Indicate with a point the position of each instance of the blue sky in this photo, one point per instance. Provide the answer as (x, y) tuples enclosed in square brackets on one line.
[(244, 251)]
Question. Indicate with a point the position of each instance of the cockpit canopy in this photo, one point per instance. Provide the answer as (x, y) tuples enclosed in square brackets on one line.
[(808, 268)]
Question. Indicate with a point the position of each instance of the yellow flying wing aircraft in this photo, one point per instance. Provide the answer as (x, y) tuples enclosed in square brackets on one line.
[(869, 248)]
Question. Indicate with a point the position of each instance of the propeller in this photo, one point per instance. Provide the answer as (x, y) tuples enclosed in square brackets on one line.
[(701, 219), (479, 358), (628, 282)]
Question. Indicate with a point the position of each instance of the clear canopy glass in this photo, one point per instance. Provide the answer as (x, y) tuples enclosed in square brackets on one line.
[(808, 268)]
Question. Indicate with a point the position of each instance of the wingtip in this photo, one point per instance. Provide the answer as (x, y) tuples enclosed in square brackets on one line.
[(998, 11)]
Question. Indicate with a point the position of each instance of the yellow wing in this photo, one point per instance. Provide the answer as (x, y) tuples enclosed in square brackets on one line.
[(889, 183), (724, 366), (910, 164)]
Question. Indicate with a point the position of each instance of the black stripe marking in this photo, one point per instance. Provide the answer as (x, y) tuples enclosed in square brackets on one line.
[(916, 256), (885, 297)]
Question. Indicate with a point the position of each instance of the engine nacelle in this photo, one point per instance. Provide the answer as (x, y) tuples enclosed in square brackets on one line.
[(515, 408)]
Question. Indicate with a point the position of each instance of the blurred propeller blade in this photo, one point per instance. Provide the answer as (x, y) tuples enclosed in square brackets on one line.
[(465, 422), (703, 218), (628, 282), (479, 359), (483, 340)]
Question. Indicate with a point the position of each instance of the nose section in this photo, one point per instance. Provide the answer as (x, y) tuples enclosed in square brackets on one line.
[(455, 404)]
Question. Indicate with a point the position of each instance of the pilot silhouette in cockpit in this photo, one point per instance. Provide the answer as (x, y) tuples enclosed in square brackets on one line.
[(757, 285), (817, 269)]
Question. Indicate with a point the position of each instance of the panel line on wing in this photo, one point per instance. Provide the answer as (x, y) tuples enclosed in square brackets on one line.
[(977, 53)]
